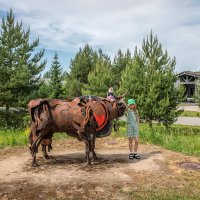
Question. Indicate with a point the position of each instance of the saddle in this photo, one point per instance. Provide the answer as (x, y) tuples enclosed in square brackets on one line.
[(99, 109)]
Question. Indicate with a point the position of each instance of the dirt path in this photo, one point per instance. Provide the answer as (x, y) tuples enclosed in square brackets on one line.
[(66, 177)]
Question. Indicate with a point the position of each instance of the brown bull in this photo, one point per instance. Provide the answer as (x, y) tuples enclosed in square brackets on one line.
[(85, 118)]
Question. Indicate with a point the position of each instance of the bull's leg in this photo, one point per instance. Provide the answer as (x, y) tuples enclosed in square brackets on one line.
[(94, 155), (86, 140), (46, 143), (34, 163), (34, 149), (32, 135), (39, 129), (93, 147), (88, 153), (44, 150), (89, 147), (45, 129), (30, 141), (32, 144)]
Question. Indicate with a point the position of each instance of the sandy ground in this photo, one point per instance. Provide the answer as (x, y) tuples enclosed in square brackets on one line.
[(65, 176)]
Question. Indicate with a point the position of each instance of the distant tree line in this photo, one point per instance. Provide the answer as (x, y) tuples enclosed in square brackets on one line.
[(148, 75)]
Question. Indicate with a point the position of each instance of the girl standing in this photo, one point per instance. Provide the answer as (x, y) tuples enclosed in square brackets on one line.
[(132, 128)]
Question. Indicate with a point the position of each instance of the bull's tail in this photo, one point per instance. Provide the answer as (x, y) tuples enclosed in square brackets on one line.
[(40, 123), (41, 108)]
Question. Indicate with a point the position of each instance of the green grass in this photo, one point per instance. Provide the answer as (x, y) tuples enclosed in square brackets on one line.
[(190, 114), (12, 137), (181, 138), (183, 186), (60, 136), (185, 139), (17, 137), (167, 193)]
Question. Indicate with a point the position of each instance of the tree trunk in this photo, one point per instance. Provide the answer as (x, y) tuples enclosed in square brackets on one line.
[(7, 115)]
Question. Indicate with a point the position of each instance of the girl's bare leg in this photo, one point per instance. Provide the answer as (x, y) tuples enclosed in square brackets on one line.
[(136, 144), (130, 144)]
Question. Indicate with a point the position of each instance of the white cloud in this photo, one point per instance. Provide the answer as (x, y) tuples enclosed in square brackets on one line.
[(68, 25)]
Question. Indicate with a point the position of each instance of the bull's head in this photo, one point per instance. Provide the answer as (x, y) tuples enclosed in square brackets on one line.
[(121, 107), (116, 108)]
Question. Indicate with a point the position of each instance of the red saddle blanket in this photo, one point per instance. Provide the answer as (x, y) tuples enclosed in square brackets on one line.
[(100, 113)]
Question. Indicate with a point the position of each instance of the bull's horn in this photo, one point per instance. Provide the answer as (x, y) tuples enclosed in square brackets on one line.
[(124, 94)]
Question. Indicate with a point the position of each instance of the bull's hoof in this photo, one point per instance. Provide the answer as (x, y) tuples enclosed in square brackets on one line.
[(35, 165), (95, 159), (88, 163), (47, 157)]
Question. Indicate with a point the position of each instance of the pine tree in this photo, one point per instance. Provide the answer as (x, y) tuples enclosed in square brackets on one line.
[(121, 60), (72, 88), (150, 79), (101, 55), (53, 81), (56, 78), (45, 89), (19, 67), (80, 67), (99, 80)]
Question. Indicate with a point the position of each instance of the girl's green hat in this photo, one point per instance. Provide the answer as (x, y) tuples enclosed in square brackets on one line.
[(131, 101)]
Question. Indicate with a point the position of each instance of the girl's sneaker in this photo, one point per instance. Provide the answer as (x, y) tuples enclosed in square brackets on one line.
[(131, 156), (136, 155)]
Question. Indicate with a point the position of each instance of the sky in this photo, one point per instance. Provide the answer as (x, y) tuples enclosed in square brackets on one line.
[(65, 26)]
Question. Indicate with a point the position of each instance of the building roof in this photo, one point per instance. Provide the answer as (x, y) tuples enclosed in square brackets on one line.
[(196, 74)]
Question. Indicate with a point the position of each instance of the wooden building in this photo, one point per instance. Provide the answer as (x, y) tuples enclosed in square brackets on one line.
[(191, 81)]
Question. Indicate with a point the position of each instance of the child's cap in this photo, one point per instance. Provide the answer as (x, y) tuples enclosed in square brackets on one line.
[(131, 101)]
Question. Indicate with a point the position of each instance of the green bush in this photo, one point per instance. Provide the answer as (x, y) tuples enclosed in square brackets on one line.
[(18, 118)]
